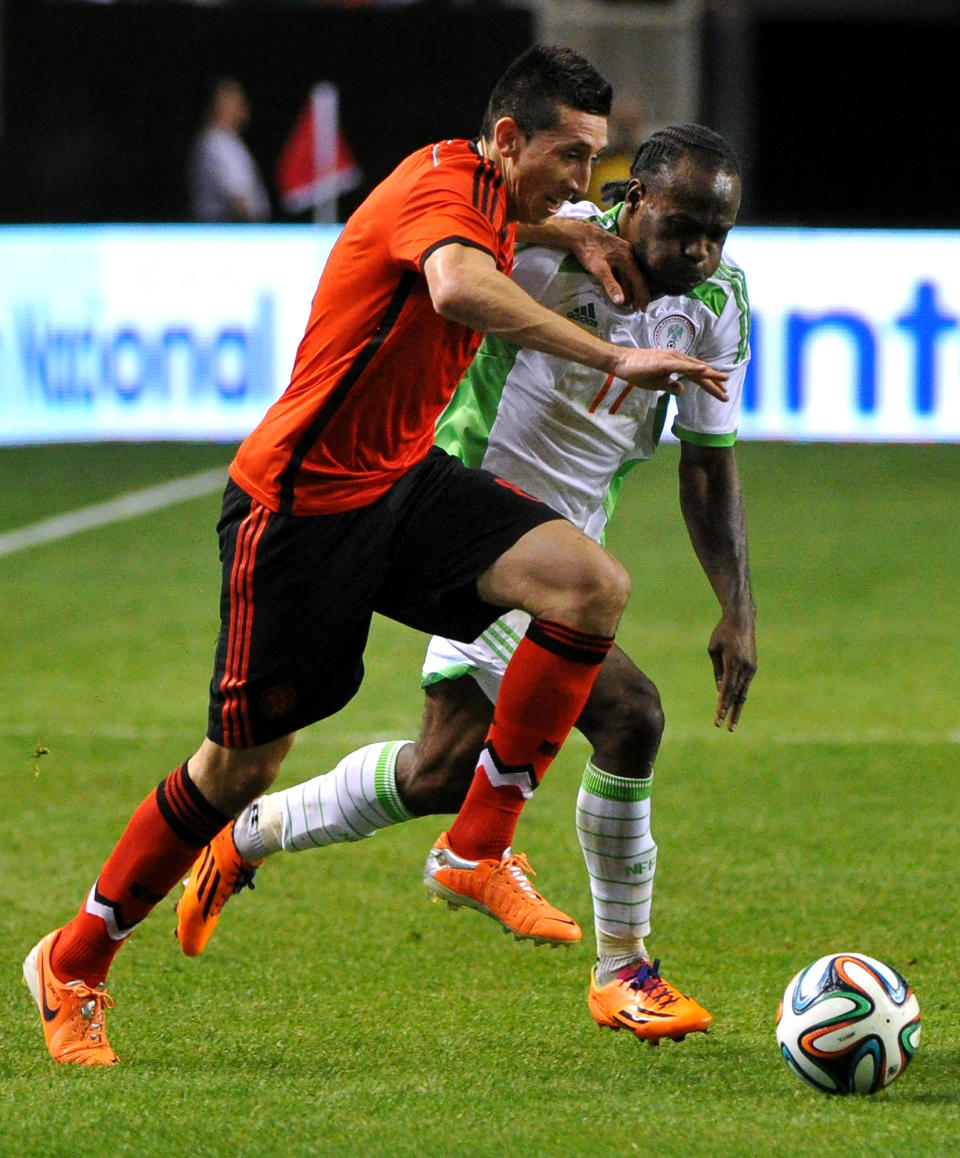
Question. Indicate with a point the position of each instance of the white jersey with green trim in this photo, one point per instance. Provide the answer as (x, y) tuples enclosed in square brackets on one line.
[(567, 433)]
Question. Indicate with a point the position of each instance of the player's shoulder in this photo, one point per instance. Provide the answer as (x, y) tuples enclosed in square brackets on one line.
[(724, 292), (448, 179), (452, 160), (454, 153)]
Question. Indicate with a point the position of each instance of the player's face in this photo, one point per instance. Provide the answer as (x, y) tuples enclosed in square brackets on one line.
[(677, 225), (552, 166)]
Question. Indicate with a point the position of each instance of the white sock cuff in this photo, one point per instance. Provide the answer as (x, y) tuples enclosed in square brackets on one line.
[(385, 782), (610, 787), (258, 828)]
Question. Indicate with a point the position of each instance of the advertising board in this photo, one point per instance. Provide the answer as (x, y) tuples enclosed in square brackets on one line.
[(188, 332)]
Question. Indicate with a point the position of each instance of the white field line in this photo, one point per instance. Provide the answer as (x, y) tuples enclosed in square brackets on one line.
[(127, 506)]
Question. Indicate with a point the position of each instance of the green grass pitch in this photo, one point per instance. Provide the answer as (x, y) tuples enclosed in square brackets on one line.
[(336, 1012)]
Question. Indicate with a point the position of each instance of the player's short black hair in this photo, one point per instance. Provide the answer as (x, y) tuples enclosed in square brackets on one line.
[(538, 82), (664, 149)]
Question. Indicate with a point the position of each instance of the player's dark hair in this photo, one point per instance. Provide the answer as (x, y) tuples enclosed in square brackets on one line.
[(538, 82), (663, 150)]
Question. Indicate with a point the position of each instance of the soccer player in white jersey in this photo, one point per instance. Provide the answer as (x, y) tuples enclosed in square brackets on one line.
[(568, 435)]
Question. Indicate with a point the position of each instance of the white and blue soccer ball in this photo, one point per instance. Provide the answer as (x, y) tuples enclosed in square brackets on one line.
[(848, 1024)]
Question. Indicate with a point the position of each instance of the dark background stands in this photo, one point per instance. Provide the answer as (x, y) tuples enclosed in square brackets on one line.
[(843, 118)]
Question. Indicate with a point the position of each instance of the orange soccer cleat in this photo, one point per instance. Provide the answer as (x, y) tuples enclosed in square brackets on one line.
[(639, 999), (73, 1013), (500, 889), (218, 872)]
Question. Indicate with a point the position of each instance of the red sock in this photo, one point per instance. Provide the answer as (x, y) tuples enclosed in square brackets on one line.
[(156, 850), (542, 693)]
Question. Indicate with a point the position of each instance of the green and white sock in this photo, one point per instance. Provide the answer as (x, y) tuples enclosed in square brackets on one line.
[(613, 826), (353, 801)]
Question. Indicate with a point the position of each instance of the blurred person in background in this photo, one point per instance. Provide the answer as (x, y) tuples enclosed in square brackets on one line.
[(223, 178)]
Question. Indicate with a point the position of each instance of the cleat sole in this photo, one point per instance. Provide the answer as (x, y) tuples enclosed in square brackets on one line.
[(650, 1039)]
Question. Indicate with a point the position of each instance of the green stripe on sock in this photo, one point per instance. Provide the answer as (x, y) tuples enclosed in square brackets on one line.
[(608, 787), (385, 783)]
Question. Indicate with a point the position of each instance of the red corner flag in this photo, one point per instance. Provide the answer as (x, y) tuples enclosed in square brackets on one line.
[(316, 164)]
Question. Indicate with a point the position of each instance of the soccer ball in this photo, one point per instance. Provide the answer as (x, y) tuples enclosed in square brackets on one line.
[(848, 1024)]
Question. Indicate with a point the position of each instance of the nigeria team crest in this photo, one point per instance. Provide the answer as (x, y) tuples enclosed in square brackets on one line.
[(674, 332)]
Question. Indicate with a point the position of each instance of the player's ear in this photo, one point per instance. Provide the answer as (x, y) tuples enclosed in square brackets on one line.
[(635, 193), (508, 137)]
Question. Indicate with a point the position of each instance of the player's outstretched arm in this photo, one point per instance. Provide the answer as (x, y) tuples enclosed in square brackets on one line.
[(466, 286), (712, 503)]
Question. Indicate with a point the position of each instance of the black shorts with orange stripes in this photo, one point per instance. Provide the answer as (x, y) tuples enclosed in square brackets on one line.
[(298, 592)]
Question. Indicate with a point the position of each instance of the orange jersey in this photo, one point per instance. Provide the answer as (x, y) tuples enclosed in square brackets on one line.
[(377, 363)]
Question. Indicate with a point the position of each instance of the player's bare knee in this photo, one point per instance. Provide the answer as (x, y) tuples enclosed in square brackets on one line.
[(624, 722), (590, 593), (616, 585), (633, 725), (557, 572), (643, 722), (601, 594)]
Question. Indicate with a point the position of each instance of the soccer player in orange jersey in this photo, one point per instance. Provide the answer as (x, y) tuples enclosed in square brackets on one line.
[(339, 505), (569, 435)]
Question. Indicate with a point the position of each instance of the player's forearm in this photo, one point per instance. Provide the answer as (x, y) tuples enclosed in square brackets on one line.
[(466, 287), (493, 304), (711, 500), (559, 232)]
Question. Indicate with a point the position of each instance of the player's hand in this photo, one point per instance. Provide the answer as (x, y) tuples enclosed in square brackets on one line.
[(666, 369), (606, 256), (733, 652), (610, 260)]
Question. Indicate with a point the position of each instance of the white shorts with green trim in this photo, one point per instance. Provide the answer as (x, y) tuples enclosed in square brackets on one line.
[(485, 659)]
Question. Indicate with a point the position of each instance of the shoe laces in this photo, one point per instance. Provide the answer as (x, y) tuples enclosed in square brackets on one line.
[(94, 1002), (520, 870), (646, 979), (244, 878)]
